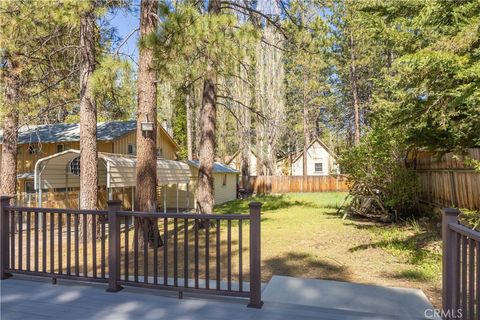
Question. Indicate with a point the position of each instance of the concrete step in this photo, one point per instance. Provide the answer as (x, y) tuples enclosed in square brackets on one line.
[(401, 303), (275, 310)]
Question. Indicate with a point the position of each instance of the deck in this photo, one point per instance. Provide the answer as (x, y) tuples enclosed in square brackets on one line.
[(284, 298)]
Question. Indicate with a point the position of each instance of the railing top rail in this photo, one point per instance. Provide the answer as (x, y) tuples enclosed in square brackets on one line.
[(184, 215), (472, 234), (56, 210)]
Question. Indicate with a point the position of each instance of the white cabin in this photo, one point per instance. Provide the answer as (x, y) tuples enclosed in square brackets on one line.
[(320, 161)]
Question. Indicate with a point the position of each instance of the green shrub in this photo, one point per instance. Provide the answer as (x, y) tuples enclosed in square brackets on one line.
[(379, 163)]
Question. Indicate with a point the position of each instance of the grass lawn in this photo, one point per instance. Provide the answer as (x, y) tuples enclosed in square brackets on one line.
[(303, 236)]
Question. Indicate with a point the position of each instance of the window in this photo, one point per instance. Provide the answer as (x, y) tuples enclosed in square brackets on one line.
[(224, 182), (60, 148), (33, 149), (29, 186), (318, 167), (160, 152), (74, 166), (132, 149)]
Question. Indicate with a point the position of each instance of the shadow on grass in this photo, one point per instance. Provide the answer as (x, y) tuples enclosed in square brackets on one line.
[(300, 264), (413, 246), (269, 203)]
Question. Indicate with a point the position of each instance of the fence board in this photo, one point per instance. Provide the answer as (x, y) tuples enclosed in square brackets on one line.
[(286, 184), (448, 180)]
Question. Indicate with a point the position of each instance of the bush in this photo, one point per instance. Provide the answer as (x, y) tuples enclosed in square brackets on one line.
[(379, 163)]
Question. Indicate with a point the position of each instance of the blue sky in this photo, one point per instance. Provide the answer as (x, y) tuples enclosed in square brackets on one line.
[(125, 22)]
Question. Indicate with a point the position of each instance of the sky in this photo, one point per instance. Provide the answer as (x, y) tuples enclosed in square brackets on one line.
[(124, 23)]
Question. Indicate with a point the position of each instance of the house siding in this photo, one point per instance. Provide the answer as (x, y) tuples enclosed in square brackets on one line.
[(225, 193), (169, 150), (221, 193), (315, 154)]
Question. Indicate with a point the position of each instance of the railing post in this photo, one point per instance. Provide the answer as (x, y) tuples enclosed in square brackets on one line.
[(450, 261), (113, 246), (255, 257), (4, 233)]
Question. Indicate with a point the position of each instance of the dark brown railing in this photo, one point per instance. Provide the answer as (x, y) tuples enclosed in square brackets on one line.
[(461, 268), (201, 253)]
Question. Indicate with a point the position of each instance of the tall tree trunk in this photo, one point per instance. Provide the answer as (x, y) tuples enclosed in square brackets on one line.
[(208, 114), (88, 118), (146, 173), (245, 145), (260, 146), (353, 80), (188, 106), (306, 134), (8, 167), (207, 145)]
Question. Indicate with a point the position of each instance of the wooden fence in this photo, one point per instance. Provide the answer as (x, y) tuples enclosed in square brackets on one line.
[(449, 180), (461, 269), (106, 246), (286, 184)]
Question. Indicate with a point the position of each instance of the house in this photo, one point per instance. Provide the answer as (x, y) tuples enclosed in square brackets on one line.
[(225, 181), (117, 137), (235, 162), (321, 161)]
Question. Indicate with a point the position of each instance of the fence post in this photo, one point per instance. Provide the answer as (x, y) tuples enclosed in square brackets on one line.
[(4, 233), (450, 261), (255, 257), (113, 246)]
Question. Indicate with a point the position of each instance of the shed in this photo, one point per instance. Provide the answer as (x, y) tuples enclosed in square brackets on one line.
[(225, 181)]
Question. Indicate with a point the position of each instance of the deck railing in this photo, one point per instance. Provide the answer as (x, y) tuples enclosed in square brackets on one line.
[(461, 269), (200, 253)]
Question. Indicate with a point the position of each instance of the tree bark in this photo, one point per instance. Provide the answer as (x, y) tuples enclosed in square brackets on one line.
[(146, 172), (188, 106), (306, 135), (208, 114), (8, 167), (353, 80), (245, 144), (88, 120), (207, 145)]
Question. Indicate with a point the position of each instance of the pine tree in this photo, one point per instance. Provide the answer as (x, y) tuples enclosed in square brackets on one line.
[(36, 41), (146, 171), (88, 112)]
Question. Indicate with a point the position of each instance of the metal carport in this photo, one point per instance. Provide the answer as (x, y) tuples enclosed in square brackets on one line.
[(114, 171)]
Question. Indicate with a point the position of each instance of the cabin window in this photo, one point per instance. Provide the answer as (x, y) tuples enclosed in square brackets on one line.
[(29, 186), (319, 167), (160, 152), (224, 182), (60, 148), (74, 166), (33, 149), (132, 149)]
